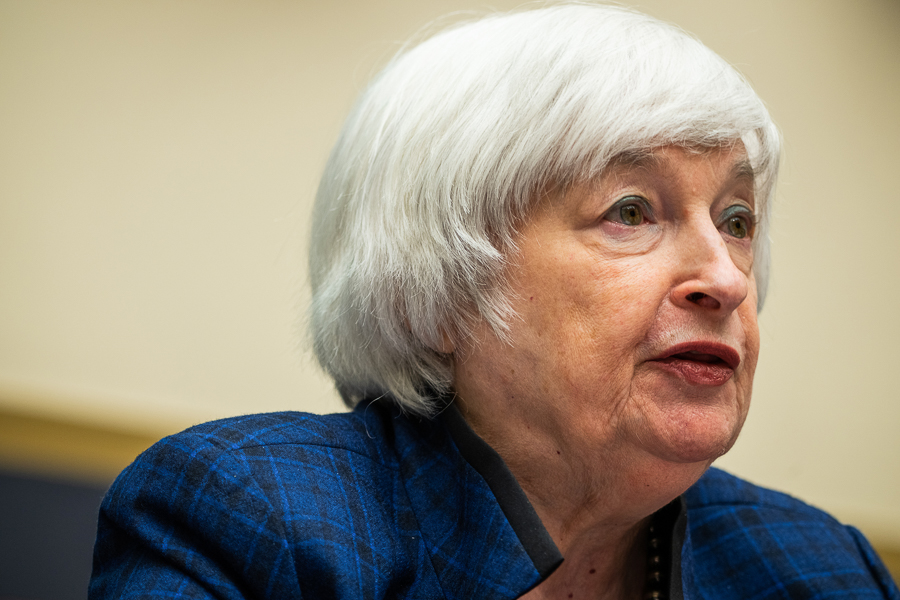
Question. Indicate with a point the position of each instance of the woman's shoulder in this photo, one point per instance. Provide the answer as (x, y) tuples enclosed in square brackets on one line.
[(277, 459), (255, 452), (252, 503), (721, 504), (361, 433), (719, 489), (351, 431), (757, 542)]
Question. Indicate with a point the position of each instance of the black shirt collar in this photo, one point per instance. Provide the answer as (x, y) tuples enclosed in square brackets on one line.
[(671, 520)]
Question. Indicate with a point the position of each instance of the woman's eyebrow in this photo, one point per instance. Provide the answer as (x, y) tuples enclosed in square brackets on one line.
[(635, 159), (743, 171)]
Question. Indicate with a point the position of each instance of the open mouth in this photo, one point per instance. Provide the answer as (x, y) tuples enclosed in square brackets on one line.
[(700, 363), (696, 356)]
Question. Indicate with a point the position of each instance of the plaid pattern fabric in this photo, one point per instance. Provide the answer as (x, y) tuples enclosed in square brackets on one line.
[(287, 505), (752, 543), (374, 505)]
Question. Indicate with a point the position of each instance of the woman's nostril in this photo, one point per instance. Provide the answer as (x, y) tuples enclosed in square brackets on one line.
[(703, 300)]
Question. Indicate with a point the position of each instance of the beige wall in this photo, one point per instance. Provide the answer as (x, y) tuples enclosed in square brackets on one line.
[(158, 160)]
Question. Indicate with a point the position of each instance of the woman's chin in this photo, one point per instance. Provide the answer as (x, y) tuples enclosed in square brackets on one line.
[(681, 423), (693, 434)]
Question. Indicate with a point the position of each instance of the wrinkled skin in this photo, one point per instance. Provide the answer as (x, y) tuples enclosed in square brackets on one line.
[(598, 424)]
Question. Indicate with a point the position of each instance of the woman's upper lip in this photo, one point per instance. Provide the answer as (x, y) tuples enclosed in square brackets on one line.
[(724, 352)]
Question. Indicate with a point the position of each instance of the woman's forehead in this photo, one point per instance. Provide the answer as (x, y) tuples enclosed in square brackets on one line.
[(667, 157), (731, 163), (659, 163)]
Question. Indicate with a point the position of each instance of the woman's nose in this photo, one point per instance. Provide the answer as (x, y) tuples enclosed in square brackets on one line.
[(708, 276)]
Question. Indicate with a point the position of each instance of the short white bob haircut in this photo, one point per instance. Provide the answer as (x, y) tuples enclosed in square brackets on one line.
[(449, 147)]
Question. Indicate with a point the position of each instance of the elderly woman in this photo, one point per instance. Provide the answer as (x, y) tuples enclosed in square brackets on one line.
[(539, 249)]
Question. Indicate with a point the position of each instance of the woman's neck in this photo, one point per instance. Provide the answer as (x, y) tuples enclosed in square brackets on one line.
[(597, 509), (600, 563)]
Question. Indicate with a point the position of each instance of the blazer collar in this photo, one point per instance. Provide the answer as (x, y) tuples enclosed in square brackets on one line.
[(483, 536), (671, 520)]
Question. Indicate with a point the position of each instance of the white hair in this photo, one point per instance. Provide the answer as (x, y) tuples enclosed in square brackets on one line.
[(451, 144)]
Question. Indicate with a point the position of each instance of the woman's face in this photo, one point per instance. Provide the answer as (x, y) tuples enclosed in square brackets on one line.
[(636, 316)]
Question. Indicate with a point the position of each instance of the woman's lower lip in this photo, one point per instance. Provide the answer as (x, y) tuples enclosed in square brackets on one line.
[(696, 372)]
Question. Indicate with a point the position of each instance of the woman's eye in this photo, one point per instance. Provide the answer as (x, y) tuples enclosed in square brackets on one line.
[(631, 214), (737, 226), (740, 223), (629, 211)]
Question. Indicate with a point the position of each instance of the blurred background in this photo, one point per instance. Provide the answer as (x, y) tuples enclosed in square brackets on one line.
[(158, 162)]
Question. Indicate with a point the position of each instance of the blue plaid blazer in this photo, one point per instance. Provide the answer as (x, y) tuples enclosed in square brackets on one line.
[(372, 504)]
